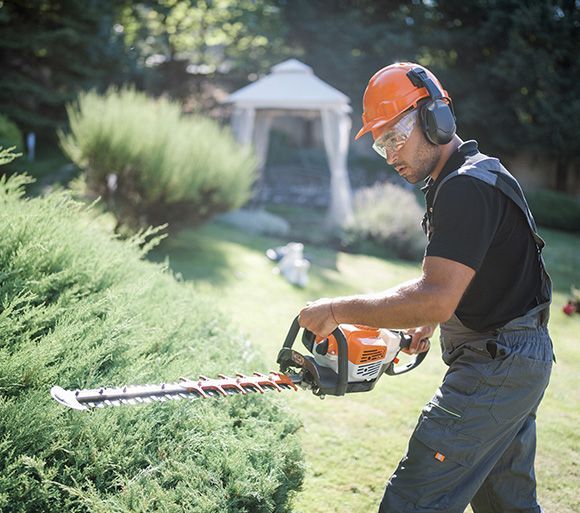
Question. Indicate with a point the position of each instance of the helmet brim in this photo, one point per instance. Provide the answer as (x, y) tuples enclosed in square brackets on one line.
[(370, 127), (382, 124)]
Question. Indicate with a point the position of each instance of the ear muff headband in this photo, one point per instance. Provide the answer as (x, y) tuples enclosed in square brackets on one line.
[(436, 115)]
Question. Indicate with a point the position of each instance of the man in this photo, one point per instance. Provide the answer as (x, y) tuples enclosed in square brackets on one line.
[(483, 280)]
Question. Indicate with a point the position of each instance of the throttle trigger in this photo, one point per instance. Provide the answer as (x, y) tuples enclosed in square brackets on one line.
[(322, 348)]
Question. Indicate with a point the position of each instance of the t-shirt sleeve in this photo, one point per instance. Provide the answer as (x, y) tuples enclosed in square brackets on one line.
[(465, 219)]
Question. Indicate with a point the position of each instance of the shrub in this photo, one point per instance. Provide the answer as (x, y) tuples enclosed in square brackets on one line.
[(10, 135), (153, 165), (553, 209), (388, 217), (80, 309)]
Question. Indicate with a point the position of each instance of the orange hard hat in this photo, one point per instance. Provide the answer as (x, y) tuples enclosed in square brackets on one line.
[(390, 93)]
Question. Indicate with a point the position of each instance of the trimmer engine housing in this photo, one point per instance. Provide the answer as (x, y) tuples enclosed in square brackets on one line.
[(351, 359)]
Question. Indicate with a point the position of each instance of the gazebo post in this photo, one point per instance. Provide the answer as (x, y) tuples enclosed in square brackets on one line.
[(336, 126)]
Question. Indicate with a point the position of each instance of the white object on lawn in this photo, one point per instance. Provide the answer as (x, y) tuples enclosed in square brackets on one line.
[(293, 266)]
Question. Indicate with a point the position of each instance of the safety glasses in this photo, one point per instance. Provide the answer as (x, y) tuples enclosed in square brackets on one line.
[(394, 139)]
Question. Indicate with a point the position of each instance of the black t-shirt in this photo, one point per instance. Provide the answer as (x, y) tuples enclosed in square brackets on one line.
[(477, 225)]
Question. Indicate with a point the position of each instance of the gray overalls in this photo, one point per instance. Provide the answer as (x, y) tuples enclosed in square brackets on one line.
[(475, 440)]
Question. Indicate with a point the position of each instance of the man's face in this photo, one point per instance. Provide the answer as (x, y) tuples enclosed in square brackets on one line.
[(414, 158)]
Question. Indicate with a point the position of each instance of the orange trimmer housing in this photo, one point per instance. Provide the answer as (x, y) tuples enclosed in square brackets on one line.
[(370, 351), (365, 344), (351, 359)]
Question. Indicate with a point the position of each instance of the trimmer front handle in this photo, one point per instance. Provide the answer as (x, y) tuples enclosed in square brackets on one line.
[(287, 357)]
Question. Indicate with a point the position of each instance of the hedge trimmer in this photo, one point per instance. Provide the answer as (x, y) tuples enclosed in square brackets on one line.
[(351, 359)]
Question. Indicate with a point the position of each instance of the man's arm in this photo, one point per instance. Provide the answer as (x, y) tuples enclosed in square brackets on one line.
[(430, 299)]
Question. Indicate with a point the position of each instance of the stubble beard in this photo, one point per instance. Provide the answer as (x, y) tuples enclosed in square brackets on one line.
[(425, 160)]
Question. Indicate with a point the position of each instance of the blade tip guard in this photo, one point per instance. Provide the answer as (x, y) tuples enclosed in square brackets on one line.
[(66, 398)]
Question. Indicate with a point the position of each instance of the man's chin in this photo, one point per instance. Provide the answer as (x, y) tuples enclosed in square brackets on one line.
[(412, 179), (413, 176)]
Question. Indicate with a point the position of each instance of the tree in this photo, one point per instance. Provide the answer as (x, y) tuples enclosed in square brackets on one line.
[(347, 41), (513, 70), (188, 44), (541, 64), (51, 49)]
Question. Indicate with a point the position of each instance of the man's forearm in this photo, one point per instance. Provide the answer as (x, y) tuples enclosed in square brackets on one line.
[(411, 304)]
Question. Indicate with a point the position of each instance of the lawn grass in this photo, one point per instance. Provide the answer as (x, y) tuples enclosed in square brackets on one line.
[(353, 443)]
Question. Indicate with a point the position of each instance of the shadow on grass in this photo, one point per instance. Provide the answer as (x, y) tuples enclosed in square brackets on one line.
[(217, 254), (209, 254), (196, 256)]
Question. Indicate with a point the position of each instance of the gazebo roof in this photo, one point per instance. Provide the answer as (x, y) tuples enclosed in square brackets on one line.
[(290, 85)]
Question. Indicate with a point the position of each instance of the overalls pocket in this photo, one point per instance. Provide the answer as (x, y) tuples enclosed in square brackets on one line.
[(444, 438), (524, 381), (437, 461), (460, 386)]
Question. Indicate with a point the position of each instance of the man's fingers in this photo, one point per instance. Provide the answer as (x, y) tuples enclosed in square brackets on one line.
[(418, 345), (417, 337)]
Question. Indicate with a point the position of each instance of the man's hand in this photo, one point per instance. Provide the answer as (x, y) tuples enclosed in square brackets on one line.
[(318, 317), (420, 342)]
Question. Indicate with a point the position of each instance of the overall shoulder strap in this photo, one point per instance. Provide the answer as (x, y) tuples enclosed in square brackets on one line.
[(491, 171)]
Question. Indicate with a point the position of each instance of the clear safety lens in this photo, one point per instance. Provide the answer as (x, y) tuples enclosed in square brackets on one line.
[(394, 139)]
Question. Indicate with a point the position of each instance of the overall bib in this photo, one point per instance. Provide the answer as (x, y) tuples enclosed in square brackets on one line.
[(475, 440)]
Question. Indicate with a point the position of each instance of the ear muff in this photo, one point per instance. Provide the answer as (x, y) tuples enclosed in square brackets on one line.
[(435, 115), (437, 121)]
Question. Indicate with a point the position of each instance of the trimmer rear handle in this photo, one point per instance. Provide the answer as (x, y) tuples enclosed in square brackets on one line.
[(395, 369)]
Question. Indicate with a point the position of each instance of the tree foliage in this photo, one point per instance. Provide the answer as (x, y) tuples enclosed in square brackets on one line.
[(347, 41), (185, 44), (512, 67), (52, 49)]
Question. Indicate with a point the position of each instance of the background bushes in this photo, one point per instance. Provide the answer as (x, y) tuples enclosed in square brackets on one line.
[(10, 135), (553, 209), (152, 165), (79, 309), (386, 219)]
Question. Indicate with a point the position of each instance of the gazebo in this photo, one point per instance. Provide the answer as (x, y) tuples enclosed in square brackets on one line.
[(293, 89)]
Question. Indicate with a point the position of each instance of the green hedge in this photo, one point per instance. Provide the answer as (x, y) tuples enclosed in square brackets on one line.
[(167, 167), (80, 309), (554, 209), (387, 219)]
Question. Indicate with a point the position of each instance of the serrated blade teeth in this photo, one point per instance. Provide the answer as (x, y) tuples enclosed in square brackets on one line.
[(203, 387)]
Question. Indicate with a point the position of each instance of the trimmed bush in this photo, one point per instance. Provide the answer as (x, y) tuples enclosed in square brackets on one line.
[(151, 164), (10, 135), (80, 309), (386, 217), (553, 209)]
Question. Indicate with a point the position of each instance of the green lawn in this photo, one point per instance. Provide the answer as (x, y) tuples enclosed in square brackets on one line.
[(353, 443)]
